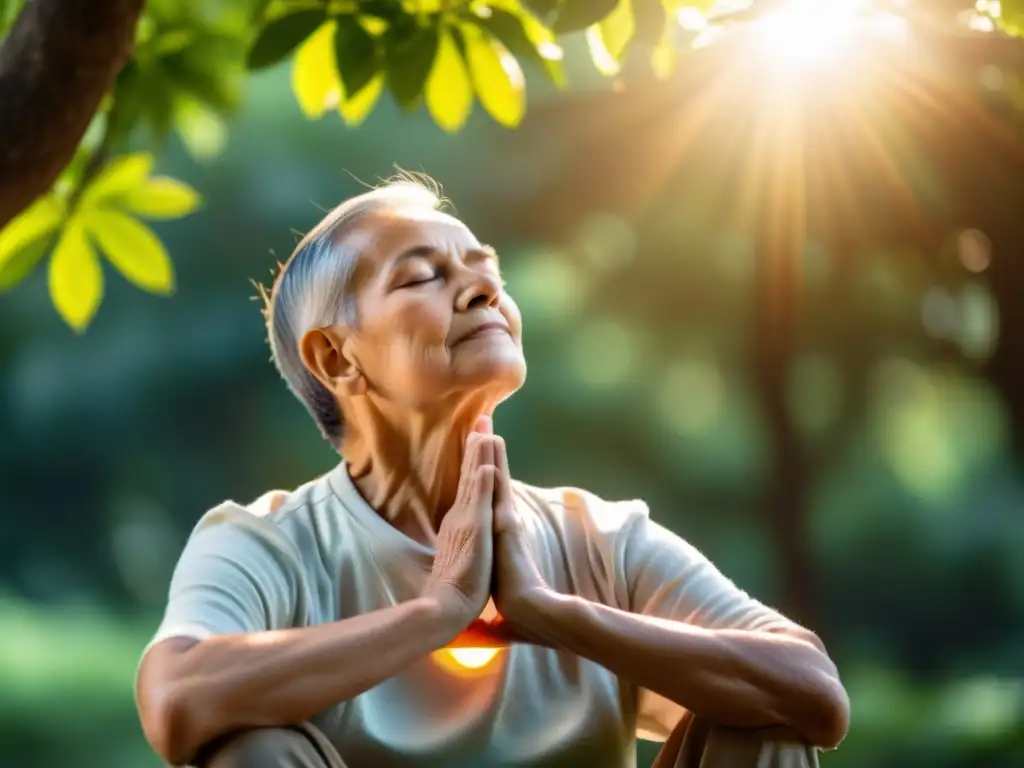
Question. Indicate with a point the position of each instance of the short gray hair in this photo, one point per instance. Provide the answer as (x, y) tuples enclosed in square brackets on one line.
[(312, 289)]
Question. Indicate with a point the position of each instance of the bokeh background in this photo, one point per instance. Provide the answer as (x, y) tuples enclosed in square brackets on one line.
[(787, 317)]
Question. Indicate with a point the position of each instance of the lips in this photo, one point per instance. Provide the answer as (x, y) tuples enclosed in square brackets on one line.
[(484, 330)]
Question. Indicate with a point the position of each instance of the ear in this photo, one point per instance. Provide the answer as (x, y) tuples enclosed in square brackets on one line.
[(327, 354)]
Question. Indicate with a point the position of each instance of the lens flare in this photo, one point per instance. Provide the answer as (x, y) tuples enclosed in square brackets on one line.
[(806, 31)]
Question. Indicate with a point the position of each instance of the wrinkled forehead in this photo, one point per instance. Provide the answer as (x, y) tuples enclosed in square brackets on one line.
[(384, 236)]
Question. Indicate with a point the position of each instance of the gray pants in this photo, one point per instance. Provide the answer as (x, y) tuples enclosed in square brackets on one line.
[(693, 744)]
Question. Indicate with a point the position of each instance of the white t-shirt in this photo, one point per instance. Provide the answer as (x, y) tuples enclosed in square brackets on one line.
[(325, 555)]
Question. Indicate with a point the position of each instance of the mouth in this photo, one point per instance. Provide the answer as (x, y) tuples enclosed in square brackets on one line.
[(487, 329)]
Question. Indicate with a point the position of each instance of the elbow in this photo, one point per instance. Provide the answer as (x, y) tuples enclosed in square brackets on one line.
[(164, 723), (829, 718)]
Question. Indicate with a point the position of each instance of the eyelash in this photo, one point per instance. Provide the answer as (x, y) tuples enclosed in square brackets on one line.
[(414, 283), (435, 276)]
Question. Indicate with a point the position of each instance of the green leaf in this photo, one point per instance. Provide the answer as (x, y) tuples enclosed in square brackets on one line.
[(1011, 17), (527, 39), (617, 29), (545, 9), (118, 177), (212, 68), (203, 132), (314, 73), (133, 249), (496, 76), (75, 277), (576, 15), (25, 239), (449, 90), (38, 220), (664, 55), (282, 36), (355, 51), (355, 109), (163, 198), (410, 50), (20, 263)]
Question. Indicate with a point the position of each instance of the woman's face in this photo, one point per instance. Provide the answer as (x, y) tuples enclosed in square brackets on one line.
[(433, 318)]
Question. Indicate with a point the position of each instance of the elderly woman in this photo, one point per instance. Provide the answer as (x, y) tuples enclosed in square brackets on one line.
[(316, 628)]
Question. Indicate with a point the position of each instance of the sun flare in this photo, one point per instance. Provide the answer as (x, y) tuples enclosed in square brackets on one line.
[(806, 31)]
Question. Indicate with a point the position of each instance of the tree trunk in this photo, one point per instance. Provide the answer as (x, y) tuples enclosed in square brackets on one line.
[(782, 231), (56, 64)]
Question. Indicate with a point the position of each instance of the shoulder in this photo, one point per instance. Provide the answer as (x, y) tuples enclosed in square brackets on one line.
[(278, 520), (576, 508)]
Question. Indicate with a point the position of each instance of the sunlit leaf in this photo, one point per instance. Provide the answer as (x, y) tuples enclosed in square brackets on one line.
[(414, 7), (75, 277), (171, 41), (449, 90), (618, 28), (39, 219), (355, 110), (20, 263), (133, 249), (525, 37), (315, 74), (664, 56), (282, 36), (603, 60), (496, 76), (203, 132), (25, 239), (163, 198), (1011, 17), (543, 8), (355, 51), (576, 15), (119, 177), (410, 51)]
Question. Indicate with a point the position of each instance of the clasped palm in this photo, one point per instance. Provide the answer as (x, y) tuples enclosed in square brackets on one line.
[(483, 549)]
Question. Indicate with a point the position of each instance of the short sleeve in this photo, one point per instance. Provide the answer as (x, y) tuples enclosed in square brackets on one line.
[(669, 578), (236, 574)]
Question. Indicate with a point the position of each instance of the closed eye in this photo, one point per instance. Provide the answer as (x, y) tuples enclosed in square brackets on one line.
[(423, 280)]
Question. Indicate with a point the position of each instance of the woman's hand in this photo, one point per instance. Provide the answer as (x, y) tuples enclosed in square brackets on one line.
[(518, 583), (461, 577)]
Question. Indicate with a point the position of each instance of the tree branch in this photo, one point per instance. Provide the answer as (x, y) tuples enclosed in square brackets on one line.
[(58, 61)]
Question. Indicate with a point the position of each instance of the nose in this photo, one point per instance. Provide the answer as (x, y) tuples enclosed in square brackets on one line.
[(480, 290)]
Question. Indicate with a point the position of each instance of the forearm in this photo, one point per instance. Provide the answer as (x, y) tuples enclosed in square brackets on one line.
[(731, 677), (233, 682)]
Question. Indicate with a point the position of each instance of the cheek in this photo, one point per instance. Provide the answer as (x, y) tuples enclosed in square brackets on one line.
[(510, 310)]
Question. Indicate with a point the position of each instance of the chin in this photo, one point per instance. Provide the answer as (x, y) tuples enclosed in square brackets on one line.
[(503, 378)]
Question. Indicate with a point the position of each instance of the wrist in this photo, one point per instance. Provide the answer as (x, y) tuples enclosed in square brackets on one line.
[(446, 615)]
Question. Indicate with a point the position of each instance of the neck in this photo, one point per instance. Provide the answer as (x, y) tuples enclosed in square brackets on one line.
[(407, 466)]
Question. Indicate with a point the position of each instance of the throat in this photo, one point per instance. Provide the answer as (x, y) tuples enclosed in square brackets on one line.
[(412, 489)]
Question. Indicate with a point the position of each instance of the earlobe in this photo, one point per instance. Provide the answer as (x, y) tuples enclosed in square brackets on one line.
[(328, 356)]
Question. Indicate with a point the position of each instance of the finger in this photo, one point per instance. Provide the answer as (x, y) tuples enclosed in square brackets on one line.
[(485, 425), (503, 490), (466, 472), (485, 451), (483, 496)]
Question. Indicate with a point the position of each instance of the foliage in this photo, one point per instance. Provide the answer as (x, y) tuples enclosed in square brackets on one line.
[(191, 59)]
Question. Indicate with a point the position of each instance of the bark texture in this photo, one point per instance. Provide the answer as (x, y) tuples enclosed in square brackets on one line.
[(56, 64)]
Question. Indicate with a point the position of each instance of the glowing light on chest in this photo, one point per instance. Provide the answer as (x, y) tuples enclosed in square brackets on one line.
[(472, 658)]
